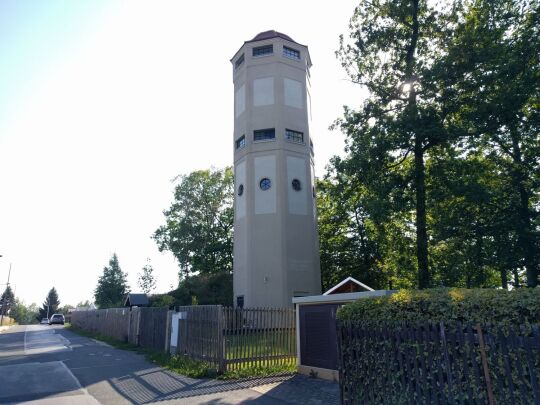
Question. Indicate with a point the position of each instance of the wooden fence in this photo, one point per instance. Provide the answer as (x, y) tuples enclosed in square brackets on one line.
[(231, 338), (227, 338), (145, 327), (439, 364), (112, 322)]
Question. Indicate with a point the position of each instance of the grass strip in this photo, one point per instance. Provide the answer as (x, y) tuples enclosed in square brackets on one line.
[(178, 364), (186, 366)]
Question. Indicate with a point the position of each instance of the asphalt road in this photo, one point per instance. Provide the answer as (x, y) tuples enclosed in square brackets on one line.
[(48, 365)]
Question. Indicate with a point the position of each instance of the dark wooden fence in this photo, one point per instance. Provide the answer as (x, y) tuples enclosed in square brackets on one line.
[(199, 334), (145, 327), (227, 338), (438, 364), (231, 339), (112, 322), (152, 328)]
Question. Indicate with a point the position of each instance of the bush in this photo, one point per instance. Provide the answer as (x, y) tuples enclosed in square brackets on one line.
[(213, 289), (161, 300), (520, 306)]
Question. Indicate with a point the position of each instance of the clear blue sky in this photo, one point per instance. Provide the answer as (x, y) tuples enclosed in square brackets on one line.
[(102, 103)]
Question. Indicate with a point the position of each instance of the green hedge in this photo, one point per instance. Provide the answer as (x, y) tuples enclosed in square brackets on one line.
[(520, 306)]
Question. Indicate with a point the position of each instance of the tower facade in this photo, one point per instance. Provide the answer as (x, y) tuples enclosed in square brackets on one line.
[(276, 245)]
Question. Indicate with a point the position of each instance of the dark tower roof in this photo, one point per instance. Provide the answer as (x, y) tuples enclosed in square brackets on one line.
[(271, 34)]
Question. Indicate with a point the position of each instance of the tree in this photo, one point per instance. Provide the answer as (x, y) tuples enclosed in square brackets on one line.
[(146, 281), (84, 304), (6, 300), (205, 289), (394, 46), (50, 305), (66, 309), (23, 314), (161, 300), (112, 285), (494, 64), (199, 224), (471, 220)]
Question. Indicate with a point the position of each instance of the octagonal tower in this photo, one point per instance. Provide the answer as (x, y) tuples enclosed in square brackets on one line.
[(276, 246)]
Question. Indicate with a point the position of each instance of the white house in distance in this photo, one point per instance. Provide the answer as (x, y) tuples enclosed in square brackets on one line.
[(276, 245)]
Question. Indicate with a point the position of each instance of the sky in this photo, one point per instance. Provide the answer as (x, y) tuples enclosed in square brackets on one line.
[(104, 102)]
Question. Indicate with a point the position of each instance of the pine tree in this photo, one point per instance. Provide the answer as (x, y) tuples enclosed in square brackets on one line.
[(50, 305), (7, 300), (112, 285)]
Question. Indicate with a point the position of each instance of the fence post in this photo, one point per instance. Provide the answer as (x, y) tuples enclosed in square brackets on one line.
[(341, 379), (138, 334), (448, 366), (129, 326), (168, 332), (221, 336), (491, 399)]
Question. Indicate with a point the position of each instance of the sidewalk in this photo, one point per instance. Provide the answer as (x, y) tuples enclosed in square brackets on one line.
[(90, 372)]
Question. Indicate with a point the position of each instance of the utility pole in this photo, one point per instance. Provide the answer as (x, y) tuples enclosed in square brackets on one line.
[(4, 299)]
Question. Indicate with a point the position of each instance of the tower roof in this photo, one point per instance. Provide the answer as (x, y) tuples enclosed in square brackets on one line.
[(261, 36)]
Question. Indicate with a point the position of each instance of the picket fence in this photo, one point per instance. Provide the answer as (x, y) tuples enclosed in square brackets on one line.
[(226, 338), (234, 338)]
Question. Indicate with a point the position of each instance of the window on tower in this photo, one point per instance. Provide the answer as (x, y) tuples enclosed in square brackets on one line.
[(294, 136), (291, 53), (241, 142), (239, 61), (264, 134), (265, 184), (263, 50)]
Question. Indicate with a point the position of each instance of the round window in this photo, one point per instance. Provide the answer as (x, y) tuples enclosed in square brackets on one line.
[(296, 185), (265, 183), (240, 189)]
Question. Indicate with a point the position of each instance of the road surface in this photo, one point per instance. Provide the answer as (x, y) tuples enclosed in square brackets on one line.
[(49, 365)]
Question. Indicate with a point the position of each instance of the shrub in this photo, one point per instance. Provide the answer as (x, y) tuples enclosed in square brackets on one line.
[(520, 306), (203, 289)]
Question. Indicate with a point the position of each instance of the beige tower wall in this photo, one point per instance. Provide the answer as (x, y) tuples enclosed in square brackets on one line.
[(276, 248)]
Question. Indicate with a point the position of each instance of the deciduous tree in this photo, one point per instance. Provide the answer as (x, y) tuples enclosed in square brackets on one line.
[(146, 281), (393, 45), (199, 223)]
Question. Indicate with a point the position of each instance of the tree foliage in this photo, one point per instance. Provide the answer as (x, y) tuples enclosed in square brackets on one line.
[(147, 281), (50, 305), (7, 299), (199, 223), (440, 184), (205, 289), (112, 285), (24, 314)]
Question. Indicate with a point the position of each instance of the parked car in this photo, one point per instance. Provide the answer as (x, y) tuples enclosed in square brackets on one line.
[(57, 318), (44, 321)]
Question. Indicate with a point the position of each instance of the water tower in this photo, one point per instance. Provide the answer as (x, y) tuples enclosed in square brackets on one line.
[(276, 246)]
